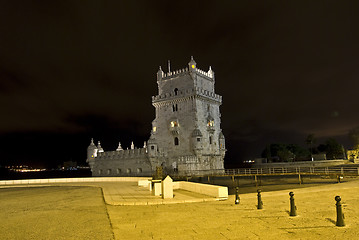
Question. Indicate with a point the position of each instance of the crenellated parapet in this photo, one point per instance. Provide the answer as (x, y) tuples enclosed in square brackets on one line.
[(187, 159), (173, 74), (195, 92), (129, 153), (207, 94), (181, 72)]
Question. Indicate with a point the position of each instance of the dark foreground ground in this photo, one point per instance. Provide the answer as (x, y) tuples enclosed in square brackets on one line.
[(65, 212)]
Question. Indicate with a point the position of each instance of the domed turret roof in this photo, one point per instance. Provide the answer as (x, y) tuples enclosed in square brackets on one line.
[(119, 148), (221, 136), (92, 146), (100, 149), (210, 118)]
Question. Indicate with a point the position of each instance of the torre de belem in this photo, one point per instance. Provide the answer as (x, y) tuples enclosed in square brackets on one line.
[(186, 136)]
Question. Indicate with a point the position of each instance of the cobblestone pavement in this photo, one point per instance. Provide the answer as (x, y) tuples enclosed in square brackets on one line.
[(224, 220), (213, 219)]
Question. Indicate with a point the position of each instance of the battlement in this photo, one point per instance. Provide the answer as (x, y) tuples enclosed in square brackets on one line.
[(187, 159), (129, 153), (188, 92), (209, 74), (166, 76), (176, 73)]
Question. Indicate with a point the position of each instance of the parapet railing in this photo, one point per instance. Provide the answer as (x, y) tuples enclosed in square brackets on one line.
[(352, 171)]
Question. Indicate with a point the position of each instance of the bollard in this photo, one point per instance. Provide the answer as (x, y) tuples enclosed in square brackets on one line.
[(260, 203), (340, 215), (237, 196), (338, 178), (293, 208)]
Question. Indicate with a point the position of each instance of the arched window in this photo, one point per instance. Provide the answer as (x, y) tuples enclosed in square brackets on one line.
[(139, 170), (210, 140), (118, 170), (174, 124), (176, 91), (108, 171), (100, 171), (176, 141), (210, 123), (128, 170)]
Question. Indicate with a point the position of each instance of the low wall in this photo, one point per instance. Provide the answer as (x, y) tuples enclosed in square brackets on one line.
[(144, 182), (319, 163), (206, 189), (69, 180)]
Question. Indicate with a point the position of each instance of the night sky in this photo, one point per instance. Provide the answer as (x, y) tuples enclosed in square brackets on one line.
[(72, 70)]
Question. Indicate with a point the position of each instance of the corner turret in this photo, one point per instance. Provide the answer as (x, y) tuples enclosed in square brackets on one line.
[(192, 65), (100, 149), (222, 144), (91, 154), (119, 148), (159, 74), (211, 72), (152, 147)]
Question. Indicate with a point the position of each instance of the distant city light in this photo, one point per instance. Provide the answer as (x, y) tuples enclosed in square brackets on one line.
[(24, 168)]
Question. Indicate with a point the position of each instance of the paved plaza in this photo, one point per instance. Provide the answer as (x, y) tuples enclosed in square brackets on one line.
[(78, 211), (128, 193)]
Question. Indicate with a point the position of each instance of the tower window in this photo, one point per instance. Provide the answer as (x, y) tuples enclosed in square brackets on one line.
[(176, 141), (198, 139), (152, 147), (210, 123), (176, 91), (210, 140), (175, 107), (174, 124)]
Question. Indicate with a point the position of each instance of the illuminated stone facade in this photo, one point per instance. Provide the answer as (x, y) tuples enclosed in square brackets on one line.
[(186, 137)]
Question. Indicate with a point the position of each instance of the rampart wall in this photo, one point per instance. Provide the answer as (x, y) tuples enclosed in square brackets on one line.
[(131, 162)]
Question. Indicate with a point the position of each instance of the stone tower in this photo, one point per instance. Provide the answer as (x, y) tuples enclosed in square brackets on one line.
[(186, 134)]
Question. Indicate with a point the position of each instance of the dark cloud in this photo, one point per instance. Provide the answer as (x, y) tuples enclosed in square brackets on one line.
[(285, 69)]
